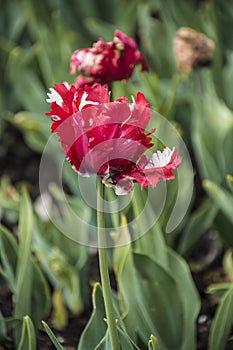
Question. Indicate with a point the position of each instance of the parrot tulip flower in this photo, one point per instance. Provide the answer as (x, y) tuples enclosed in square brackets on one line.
[(109, 138), (106, 62)]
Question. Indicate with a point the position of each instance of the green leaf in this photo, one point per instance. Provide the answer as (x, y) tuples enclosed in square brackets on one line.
[(99, 29), (72, 222), (52, 336), (227, 146), (151, 32), (224, 229), (163, 290), (153, 343), (9, 197), (28, 336), (24, 265), (3, 330), (222, 322), (227, 75), (40, 297), (199, 221), (12, 323), (95, 336), (125, 274), (159, 303), (211, 130), (151, 243), (67, 278), (25, 81), (96, 327), (228, 263), (34, 127), (60, 316), (186, 292), (221, 197), (23, 273), (229, 179), (218, 289), (104, 344), (122, 333), (64, 262), (8, 250), (125, 341), (206, 161)]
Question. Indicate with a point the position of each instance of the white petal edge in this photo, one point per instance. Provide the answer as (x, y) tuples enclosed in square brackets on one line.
[(84, 101), (121, 189), (53, 96), (88, 59), (160, 159)]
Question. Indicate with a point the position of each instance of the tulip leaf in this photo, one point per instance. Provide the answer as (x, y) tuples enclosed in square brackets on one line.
[(25, 80), (8, 250), (35, 301), (228, 263), (125, 341), (229, 179), (206, 161), (125, 274), (212, 131), (153, 343), (60, 317), (64, 263), (74, 215), (104, 344), (28, 336), (3, 329), (24, 265), (221, 197), (9, 196), (52, 336), (122, 333), (227, 76), (68, 278), (222, 322), (151, 243), (96, 327), (199, 221), (218, 289), (186, 292), (95, 336), (34, 129), (158, 302), (40, 296), (158, 290)]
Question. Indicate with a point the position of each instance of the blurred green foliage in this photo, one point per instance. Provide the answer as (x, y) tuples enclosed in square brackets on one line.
[(37, 39)]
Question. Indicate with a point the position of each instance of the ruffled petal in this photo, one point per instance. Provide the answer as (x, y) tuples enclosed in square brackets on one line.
[(106, 62), (150, 172), (108, 139)]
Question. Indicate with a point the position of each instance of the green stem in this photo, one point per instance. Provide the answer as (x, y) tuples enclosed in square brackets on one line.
[(103, 265)]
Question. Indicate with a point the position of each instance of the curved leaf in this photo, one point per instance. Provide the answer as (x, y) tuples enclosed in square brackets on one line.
[(28, 336), (222, 323), (96, 327), (52, 336)]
